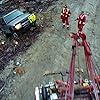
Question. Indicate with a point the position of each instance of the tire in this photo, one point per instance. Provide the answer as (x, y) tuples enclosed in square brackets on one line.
[(7, 34), (44, 94)]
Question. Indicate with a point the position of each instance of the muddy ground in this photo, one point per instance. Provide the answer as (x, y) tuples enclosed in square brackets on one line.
[(51, 52)]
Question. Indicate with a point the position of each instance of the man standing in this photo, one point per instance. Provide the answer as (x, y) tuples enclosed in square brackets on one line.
[(65, 14), (81, 21)]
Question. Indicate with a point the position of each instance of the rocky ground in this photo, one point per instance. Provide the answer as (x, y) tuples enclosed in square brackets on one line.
[(51, 51)]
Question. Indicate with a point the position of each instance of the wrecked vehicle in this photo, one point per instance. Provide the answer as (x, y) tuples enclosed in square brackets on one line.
[(16, 22)]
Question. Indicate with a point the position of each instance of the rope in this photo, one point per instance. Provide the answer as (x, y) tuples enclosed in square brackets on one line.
[(79, 70)]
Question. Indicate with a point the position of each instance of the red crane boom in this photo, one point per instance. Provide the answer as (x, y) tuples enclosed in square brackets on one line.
[(89, 65), (70, 82)]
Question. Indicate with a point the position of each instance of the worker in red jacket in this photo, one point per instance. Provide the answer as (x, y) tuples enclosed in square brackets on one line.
[(65, 14), (81, 21)]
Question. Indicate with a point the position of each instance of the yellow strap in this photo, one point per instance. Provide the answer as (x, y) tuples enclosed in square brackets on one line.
[(32, 18)]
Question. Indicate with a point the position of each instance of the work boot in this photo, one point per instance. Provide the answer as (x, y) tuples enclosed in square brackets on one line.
[(67, 28), (63, 26)]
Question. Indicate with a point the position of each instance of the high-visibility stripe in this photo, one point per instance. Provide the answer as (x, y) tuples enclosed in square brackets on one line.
[(83, 22), (66, 15), (80, 22), (82, 16), (64, 24), (66, 12), (61, 13)]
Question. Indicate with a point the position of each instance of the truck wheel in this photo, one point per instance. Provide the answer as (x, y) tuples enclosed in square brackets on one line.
[(44, 94)]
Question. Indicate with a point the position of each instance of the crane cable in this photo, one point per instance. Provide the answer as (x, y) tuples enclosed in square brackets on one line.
[(79, 73)]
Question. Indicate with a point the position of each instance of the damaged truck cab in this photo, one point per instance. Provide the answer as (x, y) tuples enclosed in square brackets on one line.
[(17, 22)]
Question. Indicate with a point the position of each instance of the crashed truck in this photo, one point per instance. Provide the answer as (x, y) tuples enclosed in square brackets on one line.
[(16, 22)]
